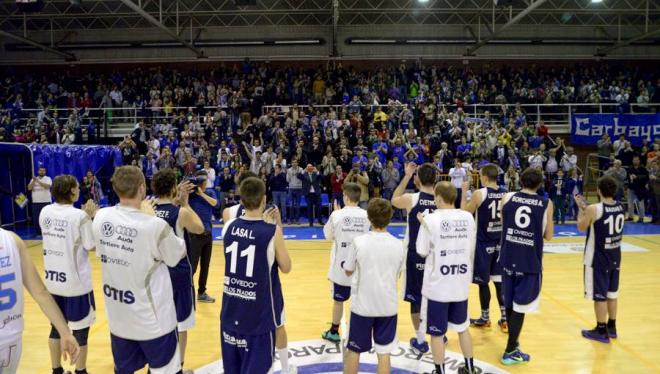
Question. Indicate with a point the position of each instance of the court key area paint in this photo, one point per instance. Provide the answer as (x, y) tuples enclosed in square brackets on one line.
[(321, 357)]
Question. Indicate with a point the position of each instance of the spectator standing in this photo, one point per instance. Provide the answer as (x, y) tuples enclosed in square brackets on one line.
[(40, 187), (225, 186), (638, 178), (295, 190), (390, 177), (203, 202), (210, 172), (91, 188), (556, 193), (605, 150), (458, 175), (278, 187), (311, 186), (362, 179), (337, 185)]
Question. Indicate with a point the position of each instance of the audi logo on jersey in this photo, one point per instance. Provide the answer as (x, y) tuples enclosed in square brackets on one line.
[(108, 229)]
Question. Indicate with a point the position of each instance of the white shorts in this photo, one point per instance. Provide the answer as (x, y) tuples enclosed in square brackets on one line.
[(10, 355)]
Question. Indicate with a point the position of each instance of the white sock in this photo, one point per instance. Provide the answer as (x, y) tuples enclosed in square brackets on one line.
[(421, 337), (284, 359)]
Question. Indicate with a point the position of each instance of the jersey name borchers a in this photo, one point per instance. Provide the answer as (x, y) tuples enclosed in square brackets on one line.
[(448, 242), (489, 223), (524, 221), (67, 236), (422, 202), (136, 250), (251, 282), (342, 227), (11, 290), (603, 248)]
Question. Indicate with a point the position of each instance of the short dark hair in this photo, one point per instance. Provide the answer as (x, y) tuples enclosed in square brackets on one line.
[(252, 191), (245, 175), (531, 178), (607, 186), (427, 174), (353, 191), (379, 212), (62, 186), (163, 182), (490, 171), (446, 191)]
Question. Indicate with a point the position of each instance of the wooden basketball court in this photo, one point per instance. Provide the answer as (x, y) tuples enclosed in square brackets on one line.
[(552, 337)]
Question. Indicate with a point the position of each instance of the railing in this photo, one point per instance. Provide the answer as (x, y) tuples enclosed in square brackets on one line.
[(557, 117)]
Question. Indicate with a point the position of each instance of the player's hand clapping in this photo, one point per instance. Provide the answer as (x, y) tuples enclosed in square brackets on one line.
[(410, 169), (90, 208)]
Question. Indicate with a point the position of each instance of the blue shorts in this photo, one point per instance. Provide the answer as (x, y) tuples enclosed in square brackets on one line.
[(78, 311), (486, 266), (161, 354), (601, 284), (521, 291), (278, 306), (438, 316), (247, 354), (412, 290), (363, 329), (340, 293)]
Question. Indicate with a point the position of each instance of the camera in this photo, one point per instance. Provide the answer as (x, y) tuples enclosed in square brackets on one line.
[(198, 180)]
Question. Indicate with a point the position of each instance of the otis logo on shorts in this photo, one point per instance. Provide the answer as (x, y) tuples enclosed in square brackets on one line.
[(317, 356), (108, 229)]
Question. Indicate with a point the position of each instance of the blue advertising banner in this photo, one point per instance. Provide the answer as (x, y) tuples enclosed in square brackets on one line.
[(588, 128)]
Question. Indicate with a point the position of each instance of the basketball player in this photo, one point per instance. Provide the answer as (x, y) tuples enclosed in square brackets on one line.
[(602, 257), (525, 215), (252, 304), (447, 241), (342, 227), (281, 338), (67, 237), (136, 248), (16, 271), (375, 301), (486, 203), (172, 206), (413, 203)]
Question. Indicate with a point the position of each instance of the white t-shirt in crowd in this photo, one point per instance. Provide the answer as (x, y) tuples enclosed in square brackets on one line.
[(135, 251), (41, 194), (378, 258), (458, 175), (342, 227), (210, 177), (447, 239), (67, 236)]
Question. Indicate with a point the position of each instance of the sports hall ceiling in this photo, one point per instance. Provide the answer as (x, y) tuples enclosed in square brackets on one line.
[(337, 23)]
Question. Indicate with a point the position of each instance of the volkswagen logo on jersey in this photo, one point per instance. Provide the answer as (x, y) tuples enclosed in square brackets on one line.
[(317, 356), (47, 223), (445, 226), (107, 229)]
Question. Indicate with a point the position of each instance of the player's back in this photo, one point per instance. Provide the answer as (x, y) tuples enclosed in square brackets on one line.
[(347, 224), (11, 290), (487, 217), (67, 234), (422, 202), (170, 214), (603, 248), (251, 283), (524, 221), (449, 265), (236, 211), (135, 251)]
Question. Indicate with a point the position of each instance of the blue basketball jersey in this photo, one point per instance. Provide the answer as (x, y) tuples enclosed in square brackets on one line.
[(524, 222), (251, 282), (425, 204), (170, 213), (603, 248), (489, 222)]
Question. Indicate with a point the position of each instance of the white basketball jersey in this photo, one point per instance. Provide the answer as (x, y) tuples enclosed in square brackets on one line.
[(135, 251), (233, 211), (342, 227), (447, 240), (11, 291), (67, 236)]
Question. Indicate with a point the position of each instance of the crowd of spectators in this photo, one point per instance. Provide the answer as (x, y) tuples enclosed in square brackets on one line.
[(384, 118)]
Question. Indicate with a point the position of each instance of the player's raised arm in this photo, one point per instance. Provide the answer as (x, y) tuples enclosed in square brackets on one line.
[(423, 244), (400, 199), (37, 289), (281, 253), (328, 228), (550, 224), (586, 213), (473, 203)]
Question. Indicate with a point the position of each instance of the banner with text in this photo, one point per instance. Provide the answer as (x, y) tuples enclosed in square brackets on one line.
[(589, 128)]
